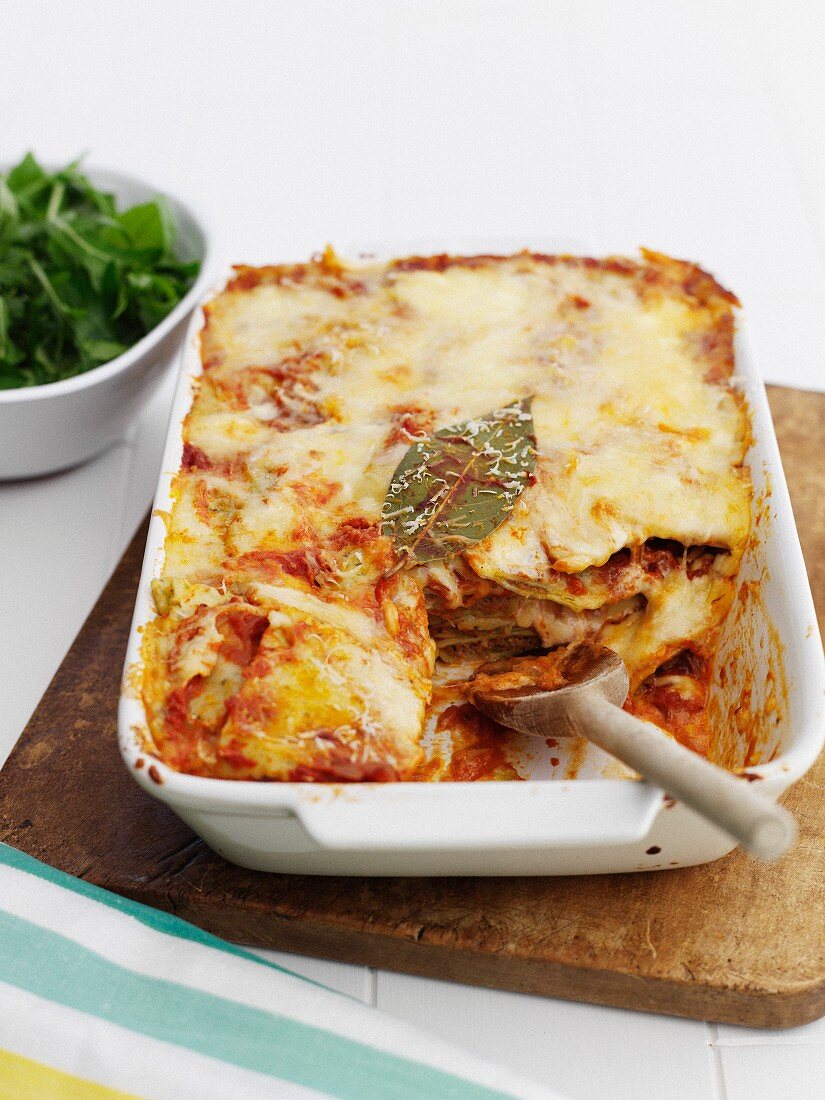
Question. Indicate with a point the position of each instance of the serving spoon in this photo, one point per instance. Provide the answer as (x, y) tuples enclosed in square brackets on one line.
[(579, 690)]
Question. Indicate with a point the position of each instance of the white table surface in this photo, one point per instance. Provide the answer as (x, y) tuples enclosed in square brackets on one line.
[(696, 128)]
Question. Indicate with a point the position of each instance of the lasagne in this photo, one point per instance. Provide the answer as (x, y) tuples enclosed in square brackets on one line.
[(293, 640)]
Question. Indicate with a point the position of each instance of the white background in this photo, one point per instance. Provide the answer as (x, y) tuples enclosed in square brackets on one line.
[(696, 128)]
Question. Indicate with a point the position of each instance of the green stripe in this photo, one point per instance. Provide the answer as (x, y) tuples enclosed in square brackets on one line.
[(61, 970), (157, 919)]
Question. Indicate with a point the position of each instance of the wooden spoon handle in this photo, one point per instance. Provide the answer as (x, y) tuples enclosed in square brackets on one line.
[(761, 827)]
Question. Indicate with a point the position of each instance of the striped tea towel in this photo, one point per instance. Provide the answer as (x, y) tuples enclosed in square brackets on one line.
[(101, 997)]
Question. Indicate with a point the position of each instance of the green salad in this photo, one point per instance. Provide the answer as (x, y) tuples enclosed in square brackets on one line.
[(80, 280)]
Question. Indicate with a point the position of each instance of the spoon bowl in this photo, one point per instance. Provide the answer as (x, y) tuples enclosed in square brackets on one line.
[(537, 695)]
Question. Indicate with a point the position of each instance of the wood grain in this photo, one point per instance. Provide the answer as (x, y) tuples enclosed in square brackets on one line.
[(733, 941)]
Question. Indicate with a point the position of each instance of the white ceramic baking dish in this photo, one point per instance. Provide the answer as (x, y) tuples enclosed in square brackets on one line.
[(600, 821)]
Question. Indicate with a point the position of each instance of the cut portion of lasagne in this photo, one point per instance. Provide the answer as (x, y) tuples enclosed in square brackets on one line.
[(289, 645)]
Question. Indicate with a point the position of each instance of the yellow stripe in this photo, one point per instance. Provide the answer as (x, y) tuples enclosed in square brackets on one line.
[(23, 1079)]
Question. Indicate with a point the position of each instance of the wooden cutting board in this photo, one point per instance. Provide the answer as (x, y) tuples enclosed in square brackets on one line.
[(732, 941)]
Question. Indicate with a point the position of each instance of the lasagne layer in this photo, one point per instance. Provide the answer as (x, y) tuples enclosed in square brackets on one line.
[(286, 647)]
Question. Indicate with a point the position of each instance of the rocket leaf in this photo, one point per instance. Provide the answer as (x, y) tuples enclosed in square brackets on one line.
[(80, 281)]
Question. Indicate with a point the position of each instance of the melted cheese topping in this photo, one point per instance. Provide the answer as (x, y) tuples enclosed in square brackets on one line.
[(316, 380)]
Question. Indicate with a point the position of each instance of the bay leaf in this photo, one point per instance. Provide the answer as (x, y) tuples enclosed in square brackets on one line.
[(458, 485)]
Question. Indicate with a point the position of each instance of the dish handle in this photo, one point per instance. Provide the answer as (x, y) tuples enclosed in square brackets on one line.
[(494, 816)]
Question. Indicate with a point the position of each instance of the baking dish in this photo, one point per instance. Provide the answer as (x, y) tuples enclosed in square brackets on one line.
[(767, 705)]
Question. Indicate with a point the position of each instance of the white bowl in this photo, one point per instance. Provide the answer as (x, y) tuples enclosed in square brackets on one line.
[(594, 824), (61, 424)]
